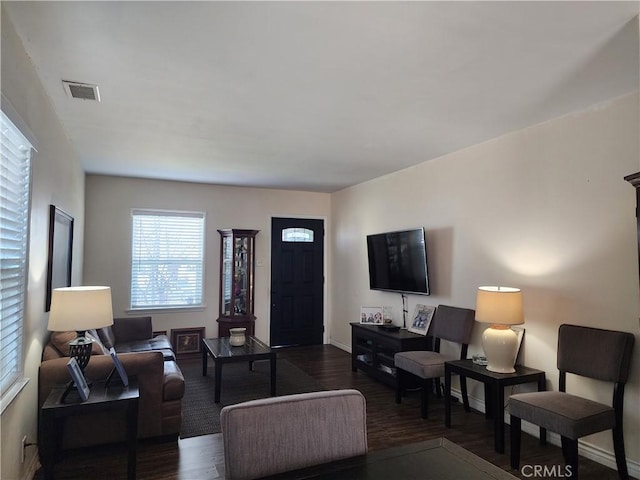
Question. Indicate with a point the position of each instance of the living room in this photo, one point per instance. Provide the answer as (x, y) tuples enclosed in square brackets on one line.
[(543, 207)]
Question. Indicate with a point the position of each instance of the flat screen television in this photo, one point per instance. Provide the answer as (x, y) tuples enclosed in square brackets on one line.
[(398, 261)]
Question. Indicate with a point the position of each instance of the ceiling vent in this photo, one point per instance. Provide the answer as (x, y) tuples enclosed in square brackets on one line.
[(83, 91)]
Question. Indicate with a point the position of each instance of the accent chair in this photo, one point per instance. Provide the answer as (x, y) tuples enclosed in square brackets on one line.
[(453, 324), (589, 352)]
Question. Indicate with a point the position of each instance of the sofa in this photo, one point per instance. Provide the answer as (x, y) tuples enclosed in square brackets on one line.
[(149, 359)]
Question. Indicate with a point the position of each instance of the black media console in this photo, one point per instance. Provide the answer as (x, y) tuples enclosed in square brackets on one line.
[(373, 348)]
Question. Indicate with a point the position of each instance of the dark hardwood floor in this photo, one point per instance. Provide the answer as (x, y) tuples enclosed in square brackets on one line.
[(389, 424)]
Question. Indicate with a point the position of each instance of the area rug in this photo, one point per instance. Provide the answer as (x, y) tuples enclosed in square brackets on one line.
[(201, 415)]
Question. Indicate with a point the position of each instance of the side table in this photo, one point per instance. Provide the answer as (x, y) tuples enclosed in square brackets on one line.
[(53, 413), (494, 384)]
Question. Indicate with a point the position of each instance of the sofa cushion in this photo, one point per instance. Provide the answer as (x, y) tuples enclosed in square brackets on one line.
[(107, 337), (156, 344), (60, 340)]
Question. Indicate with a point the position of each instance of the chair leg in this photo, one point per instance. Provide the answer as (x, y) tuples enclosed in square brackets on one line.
[(438, 388), (399, 385), (570, 453), (515, 442), (463, 389), (618, 446), (424, 397)]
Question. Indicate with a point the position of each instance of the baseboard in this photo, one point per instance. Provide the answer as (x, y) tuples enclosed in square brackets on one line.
[(586, 449), (341, 346), (32, 467)]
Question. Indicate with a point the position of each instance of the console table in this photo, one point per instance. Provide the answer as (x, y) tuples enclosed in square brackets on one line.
[(494, 384), (373, 348), (53, 413)]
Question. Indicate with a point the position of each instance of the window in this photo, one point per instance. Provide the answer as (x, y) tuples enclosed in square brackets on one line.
[(167, 259), (297, 235), (15, 173)]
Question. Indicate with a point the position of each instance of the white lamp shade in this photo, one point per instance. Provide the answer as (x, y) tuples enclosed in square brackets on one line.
[(80, 308), (499, 306)]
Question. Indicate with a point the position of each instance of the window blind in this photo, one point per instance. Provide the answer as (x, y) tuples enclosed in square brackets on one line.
[(15, 172), (167, 259)]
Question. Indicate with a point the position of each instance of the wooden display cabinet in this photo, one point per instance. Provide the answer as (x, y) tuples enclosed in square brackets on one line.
[(237, 266)]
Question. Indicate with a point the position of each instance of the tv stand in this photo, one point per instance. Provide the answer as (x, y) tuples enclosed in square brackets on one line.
[(373, 348)]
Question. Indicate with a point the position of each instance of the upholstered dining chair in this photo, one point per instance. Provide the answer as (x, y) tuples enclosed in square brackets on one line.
[(279, 434), (588, 352), (452, 324)]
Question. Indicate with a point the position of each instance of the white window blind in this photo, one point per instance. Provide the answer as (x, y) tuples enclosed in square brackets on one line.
[(15, 183), (167, 259)]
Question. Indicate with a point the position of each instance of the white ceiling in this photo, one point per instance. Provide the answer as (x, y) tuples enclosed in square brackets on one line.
[(316, 95)]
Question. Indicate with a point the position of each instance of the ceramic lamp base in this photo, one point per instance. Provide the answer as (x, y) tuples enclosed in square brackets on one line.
[(500, 345)]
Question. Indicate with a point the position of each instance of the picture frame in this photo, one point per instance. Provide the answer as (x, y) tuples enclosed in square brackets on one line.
[(371, 315), (520, 333), (118, 367), (78, 379), (187, 341), (422, 317), (60, 252)]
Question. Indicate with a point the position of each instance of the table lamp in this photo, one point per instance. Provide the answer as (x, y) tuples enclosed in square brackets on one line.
[(80, 309), (501, 307)]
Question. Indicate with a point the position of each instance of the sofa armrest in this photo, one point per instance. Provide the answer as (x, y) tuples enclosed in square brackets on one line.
[(130, 329)]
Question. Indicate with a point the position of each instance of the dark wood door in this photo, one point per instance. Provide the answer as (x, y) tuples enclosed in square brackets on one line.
[(297, 281)]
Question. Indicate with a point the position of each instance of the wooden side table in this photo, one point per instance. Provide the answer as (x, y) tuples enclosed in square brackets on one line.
[(494, 384), (53, 413)]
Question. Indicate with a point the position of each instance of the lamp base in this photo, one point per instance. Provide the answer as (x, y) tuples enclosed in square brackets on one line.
[(500, 345), (80, 349)]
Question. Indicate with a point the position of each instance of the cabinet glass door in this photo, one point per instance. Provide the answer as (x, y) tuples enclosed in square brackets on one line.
[(227, 273), (240, 281)]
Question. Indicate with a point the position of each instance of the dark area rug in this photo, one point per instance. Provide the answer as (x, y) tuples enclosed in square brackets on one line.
[(201, 416)]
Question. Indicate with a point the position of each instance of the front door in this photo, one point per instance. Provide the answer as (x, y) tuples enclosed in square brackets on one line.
[(297, 281)]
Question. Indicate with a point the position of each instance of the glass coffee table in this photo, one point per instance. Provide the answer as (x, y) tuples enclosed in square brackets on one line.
[(221, 351)]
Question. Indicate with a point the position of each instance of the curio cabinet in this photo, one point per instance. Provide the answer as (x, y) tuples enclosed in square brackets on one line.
[(237, 266)]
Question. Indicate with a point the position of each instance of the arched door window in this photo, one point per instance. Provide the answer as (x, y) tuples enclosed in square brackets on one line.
[(297, 235)]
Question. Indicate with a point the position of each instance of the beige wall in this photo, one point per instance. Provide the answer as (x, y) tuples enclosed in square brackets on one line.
[(57, 179), (109, 201), (545, 209)]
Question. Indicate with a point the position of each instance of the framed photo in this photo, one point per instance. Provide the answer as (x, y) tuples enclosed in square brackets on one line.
[(422, 319), (371, 315), (520, 333), (78, 379), (118, 367), (60, 250), (187, 341)]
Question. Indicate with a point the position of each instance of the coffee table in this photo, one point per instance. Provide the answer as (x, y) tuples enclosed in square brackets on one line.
[(221, 351)]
